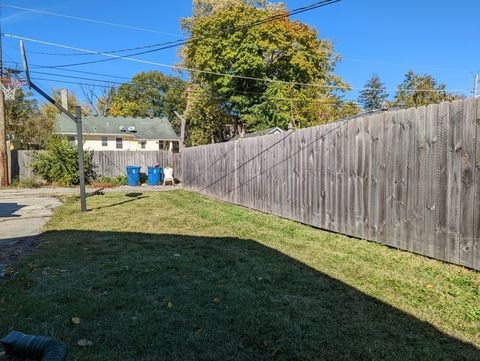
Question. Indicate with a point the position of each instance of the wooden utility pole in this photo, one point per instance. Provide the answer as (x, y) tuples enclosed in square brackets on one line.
[(3, 126)]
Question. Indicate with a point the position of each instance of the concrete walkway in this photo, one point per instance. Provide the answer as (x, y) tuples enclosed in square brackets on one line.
[(22, 218)]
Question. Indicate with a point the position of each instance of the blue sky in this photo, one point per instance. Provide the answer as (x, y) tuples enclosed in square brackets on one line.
[(386, 37)]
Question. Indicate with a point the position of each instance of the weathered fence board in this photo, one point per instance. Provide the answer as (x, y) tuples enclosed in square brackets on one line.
[(409, 178)]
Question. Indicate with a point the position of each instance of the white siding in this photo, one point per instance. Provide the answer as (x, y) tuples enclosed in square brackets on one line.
[(94, 142)]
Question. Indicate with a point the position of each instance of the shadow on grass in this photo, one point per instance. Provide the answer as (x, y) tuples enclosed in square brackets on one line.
[(174, 297), (133, 197)]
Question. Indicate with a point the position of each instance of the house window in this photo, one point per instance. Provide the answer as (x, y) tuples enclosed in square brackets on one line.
[(71, 138), (119, 142), (104, 141), (142, 144), (176, 147), (161, 144)]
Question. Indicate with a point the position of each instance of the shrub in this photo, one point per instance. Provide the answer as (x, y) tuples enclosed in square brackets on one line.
[(59, 163), (103, 182), (121, 180), (25, 183)]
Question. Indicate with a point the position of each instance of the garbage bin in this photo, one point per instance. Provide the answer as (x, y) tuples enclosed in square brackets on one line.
[(154, 176), (133, 175)]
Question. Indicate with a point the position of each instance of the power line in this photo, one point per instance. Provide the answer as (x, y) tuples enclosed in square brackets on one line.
[(89, 20), (75, 71), (172, 43), (102, 82), (180, 42), (317, 100), (177, 67)]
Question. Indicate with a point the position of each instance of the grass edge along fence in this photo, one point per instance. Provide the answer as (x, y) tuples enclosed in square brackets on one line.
[(409, 179)]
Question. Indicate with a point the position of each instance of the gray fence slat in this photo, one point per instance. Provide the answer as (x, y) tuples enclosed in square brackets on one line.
[(467, 192), (430, 181), (476, 220)]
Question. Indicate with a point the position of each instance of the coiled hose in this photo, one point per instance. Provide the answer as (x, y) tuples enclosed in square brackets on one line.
[(34, 347)]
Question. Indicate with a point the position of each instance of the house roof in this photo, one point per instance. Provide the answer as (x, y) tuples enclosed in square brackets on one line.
[(145, 128), (260, 133)]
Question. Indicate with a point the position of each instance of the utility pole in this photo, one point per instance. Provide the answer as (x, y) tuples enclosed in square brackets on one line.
[(3, 125), (475, 86)]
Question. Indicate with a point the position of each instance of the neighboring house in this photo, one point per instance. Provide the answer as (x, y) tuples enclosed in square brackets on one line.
[(259, 133), (120, 133)]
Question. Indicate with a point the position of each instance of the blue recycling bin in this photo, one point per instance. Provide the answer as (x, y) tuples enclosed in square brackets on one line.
[(133, 175), (155, 176)]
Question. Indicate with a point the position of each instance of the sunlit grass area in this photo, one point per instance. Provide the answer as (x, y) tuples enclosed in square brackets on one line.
[(178, 276)]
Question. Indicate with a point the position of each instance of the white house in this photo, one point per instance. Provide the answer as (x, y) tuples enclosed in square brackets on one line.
[(120, 133)]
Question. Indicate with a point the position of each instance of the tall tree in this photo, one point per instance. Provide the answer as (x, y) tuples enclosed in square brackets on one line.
[(300, 85), (374, 94), (26, 125), (149, 94), (418, 90)]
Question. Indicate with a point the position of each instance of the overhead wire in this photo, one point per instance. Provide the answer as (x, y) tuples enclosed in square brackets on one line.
[(88, 20), (179, 42), (178, 67), (317, 100)]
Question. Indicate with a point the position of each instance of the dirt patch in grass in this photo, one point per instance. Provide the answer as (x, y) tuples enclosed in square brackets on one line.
[(178, 276)]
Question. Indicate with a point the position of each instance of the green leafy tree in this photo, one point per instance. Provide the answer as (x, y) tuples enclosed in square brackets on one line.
[(286, 53), (207, 117), (150, 94), (26, 125), (419, 90), (374, 94)]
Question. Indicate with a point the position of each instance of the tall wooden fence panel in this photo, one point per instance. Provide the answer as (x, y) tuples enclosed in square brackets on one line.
[(409, 179), (109, 163)]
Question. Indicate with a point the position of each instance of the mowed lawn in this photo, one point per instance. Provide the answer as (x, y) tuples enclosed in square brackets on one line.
[(178, 276)]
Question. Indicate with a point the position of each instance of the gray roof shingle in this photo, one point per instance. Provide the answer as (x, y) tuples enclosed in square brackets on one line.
[(146, 128)]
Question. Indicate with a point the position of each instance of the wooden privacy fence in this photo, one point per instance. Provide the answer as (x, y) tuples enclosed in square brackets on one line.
[(409, 179), (109, 163)]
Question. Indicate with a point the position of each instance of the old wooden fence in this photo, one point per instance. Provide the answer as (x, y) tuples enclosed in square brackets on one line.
[(108, 163), (409, 179)]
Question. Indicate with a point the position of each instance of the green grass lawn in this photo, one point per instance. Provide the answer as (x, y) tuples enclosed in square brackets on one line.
[(178, 276)]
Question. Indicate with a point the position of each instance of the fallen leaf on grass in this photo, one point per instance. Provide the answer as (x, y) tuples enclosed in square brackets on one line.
[(169, 305), (75, 320), (216, 300), (84, 342), (274, 352)]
